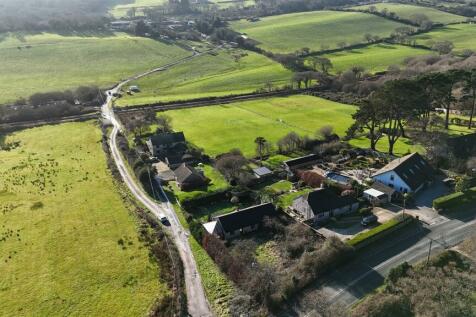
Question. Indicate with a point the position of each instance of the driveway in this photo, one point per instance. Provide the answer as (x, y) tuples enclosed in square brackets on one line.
[(423, 205)]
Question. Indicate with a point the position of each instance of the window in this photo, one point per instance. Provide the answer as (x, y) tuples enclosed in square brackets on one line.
[(392, 177)]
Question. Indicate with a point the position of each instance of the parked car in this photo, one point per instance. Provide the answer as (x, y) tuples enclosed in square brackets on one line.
[(369, 220)]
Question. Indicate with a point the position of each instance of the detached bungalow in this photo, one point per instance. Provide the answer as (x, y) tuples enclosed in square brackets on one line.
[(322, 204), (189, 178), (406, 174), (241, 221)]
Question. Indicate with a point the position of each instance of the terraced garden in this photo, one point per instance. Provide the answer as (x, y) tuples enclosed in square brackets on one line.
[(68, 243), (51, 62), (406, 11), (315, 30), (229, 72), (373, 58)]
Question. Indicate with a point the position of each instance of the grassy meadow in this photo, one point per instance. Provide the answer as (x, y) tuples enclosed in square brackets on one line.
[(373, 58), (121, 9), (208, 75), (60, 222), (461, 35), (289, 32), (218, 129), (47, 62), (407, 11)]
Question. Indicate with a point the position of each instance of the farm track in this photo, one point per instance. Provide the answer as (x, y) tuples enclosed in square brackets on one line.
[(197, 302)]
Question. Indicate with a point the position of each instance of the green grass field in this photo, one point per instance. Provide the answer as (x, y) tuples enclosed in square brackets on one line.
[(209, 75), (461, 35), (290, 32), (406, 11), (218, 129), (55, 62), (60, 221), (121, 10), (374, 58)]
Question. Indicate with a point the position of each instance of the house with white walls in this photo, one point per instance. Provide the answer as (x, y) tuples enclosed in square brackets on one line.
[(407, 174)]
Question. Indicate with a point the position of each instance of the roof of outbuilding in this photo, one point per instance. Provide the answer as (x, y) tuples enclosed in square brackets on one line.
[(184, 172), (383, 188), (412, 169), (167, 138), (325, 199), (302, 160), (262, 171), (246, 217)]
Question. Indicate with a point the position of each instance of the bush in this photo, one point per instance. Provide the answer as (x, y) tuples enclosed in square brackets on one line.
[(452, 201), (366, 211), (361, 237)]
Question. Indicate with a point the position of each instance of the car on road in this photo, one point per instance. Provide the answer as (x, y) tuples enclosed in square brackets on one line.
[(163, 218), (369, 220)]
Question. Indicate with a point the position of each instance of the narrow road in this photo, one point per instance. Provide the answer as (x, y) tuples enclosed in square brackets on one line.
[(196, 299), (351, 282)]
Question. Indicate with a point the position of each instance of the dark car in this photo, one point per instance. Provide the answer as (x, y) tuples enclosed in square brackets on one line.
[(369, 220)]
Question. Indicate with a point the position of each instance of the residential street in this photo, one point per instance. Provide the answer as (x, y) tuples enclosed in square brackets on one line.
[(196, 299), (367, 271)]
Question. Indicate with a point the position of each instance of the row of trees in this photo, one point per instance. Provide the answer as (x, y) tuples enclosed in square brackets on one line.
[(388, 110)]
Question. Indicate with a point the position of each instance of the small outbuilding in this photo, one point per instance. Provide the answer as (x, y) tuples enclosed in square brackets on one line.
[(262, 172), (375, 197), (188, 178)]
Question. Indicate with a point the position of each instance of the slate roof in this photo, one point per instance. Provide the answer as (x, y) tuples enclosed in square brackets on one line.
[(186, 173), (302, 160), (412, 169), (167, 138), (325, 199), (246, 217)]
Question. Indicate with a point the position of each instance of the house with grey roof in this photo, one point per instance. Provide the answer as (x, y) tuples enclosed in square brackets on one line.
[(188, 178), (161, 143), (240, 222), (407, 174), (322, 204)]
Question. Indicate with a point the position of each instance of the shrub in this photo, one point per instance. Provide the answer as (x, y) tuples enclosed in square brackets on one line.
[(449, 202)]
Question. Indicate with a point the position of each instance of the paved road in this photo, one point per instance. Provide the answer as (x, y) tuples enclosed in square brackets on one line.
[(354, 280), (196, 300)]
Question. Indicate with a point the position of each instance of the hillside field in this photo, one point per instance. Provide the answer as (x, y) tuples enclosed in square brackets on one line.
[(373, 58), (289, 32), (461, 35), (406, 11), (209, 75), (50, 62), (218, 129), (121, 9), (61, 218)]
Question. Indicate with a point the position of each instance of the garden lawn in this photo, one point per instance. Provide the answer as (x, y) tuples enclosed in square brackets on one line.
[(217, 183), (290, 32), (55, 62), (218, 129), (209, 75), (406, 11), (61, 218), (461, 35), (373, 58)]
